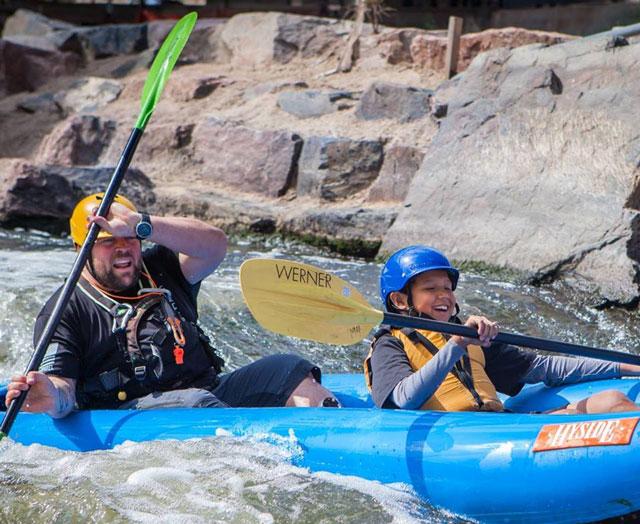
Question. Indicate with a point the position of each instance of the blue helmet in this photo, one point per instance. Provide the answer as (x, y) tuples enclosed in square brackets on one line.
[(408, 262)]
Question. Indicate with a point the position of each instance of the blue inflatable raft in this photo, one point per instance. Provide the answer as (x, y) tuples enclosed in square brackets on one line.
[(492, 467)]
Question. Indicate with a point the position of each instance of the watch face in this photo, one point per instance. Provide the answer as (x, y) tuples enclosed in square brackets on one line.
[(143, 230)]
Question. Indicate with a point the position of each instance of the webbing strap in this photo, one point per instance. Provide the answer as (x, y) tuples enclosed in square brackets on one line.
[(126, 318), (138, 360)]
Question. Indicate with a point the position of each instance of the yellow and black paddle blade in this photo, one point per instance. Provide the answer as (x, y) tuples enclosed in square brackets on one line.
[(306, 302)]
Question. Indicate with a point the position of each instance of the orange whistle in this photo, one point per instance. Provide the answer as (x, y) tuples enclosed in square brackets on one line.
[(178, 355)]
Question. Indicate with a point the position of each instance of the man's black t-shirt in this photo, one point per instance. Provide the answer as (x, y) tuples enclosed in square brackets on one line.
[(84, 345)]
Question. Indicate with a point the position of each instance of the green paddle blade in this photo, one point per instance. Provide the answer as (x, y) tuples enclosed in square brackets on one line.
[(163, 65), (306, 302)]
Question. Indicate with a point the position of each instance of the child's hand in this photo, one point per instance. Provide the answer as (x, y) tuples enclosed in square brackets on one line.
[(487, 331)]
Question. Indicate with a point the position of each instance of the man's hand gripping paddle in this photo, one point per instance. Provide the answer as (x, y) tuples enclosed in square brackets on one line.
[(306, 302), (156, 79)]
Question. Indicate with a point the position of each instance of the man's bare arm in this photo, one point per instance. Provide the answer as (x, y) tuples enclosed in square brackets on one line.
[(201, 246), (49, 394)]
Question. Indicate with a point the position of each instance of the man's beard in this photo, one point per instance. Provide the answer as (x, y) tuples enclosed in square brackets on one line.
[(112, 282)]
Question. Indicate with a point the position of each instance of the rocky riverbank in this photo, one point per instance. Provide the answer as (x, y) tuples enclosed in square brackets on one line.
[(528, 159)]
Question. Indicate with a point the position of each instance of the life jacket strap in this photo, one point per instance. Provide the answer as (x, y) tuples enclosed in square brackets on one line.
[(138, 361), (170, 312), (126, 319)]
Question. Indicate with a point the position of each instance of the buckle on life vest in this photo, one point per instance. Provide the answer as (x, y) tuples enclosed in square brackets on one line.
[(140, 372), (176, 327), (121, 315)]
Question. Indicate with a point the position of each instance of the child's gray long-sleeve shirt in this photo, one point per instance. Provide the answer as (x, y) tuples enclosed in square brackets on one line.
[(509, 368)]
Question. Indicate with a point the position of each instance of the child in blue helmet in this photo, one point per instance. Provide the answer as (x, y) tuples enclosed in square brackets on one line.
[(419, 369)]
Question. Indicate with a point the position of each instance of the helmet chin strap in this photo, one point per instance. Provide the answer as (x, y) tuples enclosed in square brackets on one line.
[(412, 311), (90, 267), (455, 315)]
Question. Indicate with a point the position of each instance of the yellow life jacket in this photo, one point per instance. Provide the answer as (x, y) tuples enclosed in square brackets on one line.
[(466, 387)]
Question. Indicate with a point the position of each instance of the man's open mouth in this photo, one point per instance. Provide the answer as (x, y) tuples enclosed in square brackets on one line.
[(123, 263)]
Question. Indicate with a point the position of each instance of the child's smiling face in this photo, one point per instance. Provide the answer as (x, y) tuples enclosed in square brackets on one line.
[(432, 295)]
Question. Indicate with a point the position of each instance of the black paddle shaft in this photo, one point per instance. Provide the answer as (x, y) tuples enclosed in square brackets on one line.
[(69, 285), (554, 346)]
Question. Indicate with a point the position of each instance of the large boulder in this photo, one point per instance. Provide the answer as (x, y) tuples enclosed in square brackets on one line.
[(25, 68), (194, 87), (248, 160), (354, 231), (395, 45), (204, 44), (427, 49), (88, 94), (233, 213), (41, 103), (58, 41), (400, 165), (334, 168), (387, 100), (536, 167), (29, 194), (264, 38), (86, 180), (163, 144), (165, 151), (78, 140), (472, 44), (44, 196), (25, 22), (36, 30), (114, 39), (312, 103)]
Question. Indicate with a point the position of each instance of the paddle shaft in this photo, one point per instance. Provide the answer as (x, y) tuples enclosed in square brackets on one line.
[(74, 276), (395, 319)]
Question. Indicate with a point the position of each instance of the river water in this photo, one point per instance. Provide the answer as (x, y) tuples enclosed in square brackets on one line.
[(226, 479)]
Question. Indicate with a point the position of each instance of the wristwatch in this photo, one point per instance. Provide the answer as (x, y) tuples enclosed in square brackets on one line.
[(144, 229)]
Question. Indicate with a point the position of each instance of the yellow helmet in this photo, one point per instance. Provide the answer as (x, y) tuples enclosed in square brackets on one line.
[(84, 209)]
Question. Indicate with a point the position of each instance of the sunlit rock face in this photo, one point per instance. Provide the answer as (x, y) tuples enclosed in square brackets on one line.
[(535, 167), (528, 159)]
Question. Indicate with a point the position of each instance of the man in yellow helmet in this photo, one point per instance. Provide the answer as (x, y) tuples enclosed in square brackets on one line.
[(129, 337)]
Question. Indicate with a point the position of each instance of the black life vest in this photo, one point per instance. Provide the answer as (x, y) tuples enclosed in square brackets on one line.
[(158, 347)]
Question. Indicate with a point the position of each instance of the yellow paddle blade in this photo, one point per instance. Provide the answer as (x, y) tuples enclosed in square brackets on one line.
[(304, 301)]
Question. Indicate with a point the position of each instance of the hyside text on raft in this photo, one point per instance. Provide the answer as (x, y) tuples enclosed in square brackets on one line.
[(302, 275), (611, 432)]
